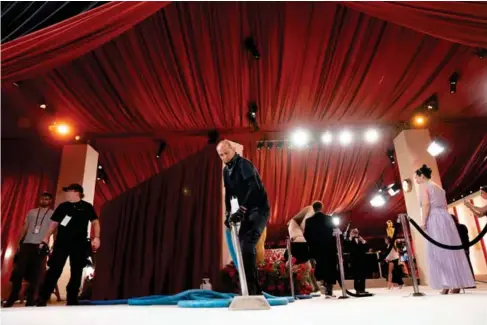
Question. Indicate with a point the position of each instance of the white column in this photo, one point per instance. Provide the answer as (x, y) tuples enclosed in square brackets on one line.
[(225, 256), (411, 152), (79, 164)]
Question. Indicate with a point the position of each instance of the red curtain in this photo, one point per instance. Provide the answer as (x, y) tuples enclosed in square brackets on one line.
[(129, 162), (455, 21), (164, 235), (338, 176), (28, 169), (320, 63), (61, 43)]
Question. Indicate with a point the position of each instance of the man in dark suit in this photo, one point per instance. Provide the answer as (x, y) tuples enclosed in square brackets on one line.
[(357, 247), (463, 232), (319, 234)]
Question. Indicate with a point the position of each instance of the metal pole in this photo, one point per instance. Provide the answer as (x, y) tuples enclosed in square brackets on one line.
[(241, 269), (405, 229), (340, 264), (290, 260)]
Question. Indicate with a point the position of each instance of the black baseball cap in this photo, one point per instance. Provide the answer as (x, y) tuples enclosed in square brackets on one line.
[(74, 187)]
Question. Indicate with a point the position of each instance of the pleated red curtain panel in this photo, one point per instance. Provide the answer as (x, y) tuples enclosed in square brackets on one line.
[(28, 169), (61, 43), (455, 21), (164, 235)]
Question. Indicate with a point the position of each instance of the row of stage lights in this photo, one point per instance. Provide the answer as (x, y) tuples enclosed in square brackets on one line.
[(303, 138)]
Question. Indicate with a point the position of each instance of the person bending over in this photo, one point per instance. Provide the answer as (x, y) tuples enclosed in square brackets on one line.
[(244, 191), (71, 220)]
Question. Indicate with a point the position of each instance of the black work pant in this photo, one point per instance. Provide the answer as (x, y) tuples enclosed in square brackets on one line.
[(325, 255), (76, 251), (29, 265), (249, 234), (359, 275), (397, 272)]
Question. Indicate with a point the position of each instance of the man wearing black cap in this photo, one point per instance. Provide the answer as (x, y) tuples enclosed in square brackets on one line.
[(28, 262), (71, 220)]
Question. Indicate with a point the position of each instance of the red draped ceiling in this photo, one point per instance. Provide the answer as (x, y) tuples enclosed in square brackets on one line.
[(461, 22), (184, 69), (62, 42)]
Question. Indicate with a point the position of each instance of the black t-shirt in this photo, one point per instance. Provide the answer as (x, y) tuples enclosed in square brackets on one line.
[(242, 180), (78, 214)]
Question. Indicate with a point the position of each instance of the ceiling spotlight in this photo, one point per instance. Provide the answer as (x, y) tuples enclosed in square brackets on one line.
[(300, 138), (61, 128), (346, 137), (378, 201), (393, 189), (260, 144), (269, 145), (419, 120), (371, 135), (453, 82), (435, 148), (43, 106), (390, 154), (17, 83), (77, 138), (213, 137), (252, 48), (100, 167), (336, 221), (326, 137), (432, 103), (481, 53), (279, 144)]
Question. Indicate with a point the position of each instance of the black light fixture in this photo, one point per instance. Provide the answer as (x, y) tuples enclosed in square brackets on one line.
[(453, 82), (101, 175), (213, 137), (431, 103), (390, 154), (260, 144), (160, 150), (252, 48), (279, 144), (17, 83), (393, 189), (252, 115), (481, 52), (269, 145)]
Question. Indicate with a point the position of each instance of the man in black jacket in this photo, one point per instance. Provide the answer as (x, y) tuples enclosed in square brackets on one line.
[(463, 232), (322, 245), (357, 247), (245, 193)]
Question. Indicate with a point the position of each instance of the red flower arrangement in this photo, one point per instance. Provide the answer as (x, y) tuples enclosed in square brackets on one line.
[(273, 276)]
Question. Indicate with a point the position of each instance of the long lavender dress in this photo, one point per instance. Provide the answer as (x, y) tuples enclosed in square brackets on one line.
[(448, 269)]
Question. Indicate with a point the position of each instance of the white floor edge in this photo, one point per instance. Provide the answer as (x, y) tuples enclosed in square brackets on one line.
[(393, 307)]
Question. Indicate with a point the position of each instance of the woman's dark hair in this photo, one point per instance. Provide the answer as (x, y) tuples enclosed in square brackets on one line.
[(424, 171), (483, 188)]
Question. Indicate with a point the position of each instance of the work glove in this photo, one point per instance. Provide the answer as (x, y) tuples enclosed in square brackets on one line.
[(238, 216)]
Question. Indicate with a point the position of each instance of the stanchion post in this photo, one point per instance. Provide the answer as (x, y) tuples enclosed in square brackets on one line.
[(241, 269), (290, 265), (379, 265), (405, 228), (340, 263)]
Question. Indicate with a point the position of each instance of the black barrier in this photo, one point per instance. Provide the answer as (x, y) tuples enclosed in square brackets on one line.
[(450, 247)]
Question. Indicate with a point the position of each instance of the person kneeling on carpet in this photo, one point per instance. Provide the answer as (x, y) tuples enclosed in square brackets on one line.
[(321, 241)]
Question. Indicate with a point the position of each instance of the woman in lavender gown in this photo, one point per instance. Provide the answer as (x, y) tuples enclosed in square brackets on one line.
[(448, 269)]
